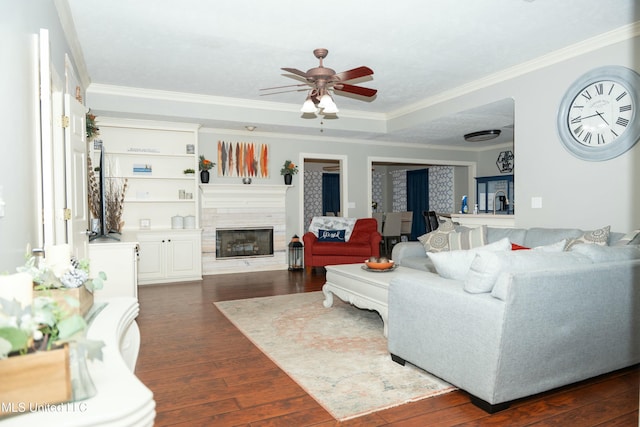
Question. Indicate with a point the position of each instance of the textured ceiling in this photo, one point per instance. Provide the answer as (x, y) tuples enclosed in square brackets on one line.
[(417, 49)]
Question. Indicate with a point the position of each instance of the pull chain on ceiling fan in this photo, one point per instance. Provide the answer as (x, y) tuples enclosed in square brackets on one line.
[(322, 80)]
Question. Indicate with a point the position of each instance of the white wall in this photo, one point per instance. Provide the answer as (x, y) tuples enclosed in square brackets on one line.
[(575, 193), (20, 22)]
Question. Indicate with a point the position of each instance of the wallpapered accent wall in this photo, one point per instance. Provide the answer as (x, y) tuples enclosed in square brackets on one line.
[(440, 191), (376, 190), (312, 196), (441, 196)]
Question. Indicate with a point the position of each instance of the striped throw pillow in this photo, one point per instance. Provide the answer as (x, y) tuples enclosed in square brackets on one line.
[(468, 239)]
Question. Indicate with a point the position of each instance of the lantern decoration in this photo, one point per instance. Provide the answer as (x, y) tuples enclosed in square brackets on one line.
[(296, 253)]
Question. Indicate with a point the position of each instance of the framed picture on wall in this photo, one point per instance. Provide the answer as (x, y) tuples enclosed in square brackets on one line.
[(243, 159)]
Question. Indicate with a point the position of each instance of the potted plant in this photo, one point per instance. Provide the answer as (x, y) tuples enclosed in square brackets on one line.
[(288, 170), (61, 277), (189, 172), (204, 166), (43, 334)]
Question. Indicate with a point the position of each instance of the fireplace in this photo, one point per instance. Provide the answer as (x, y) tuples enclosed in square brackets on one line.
[(244, 242), (241, 208)]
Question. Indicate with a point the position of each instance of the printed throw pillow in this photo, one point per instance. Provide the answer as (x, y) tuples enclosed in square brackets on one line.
[(438, 239), (331, 235), (468, 239), (597, 237)]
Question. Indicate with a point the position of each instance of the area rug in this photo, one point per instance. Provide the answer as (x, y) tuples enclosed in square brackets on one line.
[(338, 355)]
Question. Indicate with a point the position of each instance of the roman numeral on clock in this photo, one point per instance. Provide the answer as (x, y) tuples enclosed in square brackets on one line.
[(599, 88), (622, 121), (625, 108), (622, 95)]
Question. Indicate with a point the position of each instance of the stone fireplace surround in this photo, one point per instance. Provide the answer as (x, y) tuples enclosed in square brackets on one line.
[(242, 206)]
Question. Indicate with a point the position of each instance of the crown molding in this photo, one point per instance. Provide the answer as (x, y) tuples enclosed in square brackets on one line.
[(69, 29), (583, 47), (193, 98), (344, 140)]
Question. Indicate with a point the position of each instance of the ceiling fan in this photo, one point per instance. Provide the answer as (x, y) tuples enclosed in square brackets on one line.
[(321, 79)]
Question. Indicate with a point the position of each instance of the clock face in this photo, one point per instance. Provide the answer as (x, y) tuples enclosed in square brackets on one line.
[(598, 118), (600, 113)]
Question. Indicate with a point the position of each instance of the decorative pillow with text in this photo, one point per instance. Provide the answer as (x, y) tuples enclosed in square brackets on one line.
[(331, 235)]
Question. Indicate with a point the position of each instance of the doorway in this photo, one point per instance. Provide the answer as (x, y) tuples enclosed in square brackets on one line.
[(321, 198), (448, 181)]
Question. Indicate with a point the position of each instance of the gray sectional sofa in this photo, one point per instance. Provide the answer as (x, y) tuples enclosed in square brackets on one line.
[(509, 324)]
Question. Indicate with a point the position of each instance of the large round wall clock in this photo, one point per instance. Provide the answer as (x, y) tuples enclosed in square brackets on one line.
[(598, 118)]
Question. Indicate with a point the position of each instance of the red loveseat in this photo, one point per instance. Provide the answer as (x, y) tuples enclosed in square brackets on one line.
[(363, 243)]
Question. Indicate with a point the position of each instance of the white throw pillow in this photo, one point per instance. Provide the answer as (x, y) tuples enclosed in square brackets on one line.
[(631, 238), (455, 264), (553, 247), (487, 266), (468, 239)]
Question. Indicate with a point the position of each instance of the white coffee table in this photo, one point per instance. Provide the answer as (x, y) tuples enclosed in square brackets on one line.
[(364, 289)]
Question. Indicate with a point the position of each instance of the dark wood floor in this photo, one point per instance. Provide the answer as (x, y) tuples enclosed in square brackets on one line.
[(203, 371)]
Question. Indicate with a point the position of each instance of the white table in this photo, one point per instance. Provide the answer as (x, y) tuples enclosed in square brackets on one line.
[(362, 288)]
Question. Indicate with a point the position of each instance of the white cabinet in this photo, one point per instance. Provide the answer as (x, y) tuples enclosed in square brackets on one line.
[(152, 157), (119, 261), (169, 256)]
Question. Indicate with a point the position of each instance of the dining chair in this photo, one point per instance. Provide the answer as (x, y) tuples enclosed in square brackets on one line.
[(391, 230), (406, 223), (431, 220), (379, 216)]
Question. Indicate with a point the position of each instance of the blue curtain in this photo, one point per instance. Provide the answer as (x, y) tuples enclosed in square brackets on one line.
[(330, 193), (418, 199)]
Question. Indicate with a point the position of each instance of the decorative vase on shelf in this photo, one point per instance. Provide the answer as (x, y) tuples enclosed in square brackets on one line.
[(287, 178), (204, 177)]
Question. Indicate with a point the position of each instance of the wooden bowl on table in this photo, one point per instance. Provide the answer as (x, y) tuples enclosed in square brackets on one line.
[(374, 265)]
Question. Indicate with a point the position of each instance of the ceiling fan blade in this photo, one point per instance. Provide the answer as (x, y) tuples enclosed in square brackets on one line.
[(353, 74), (358, 90), (295, 71), (282, 87), (284, 91)]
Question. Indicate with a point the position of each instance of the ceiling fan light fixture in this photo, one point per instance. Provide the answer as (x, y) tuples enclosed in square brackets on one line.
[(308, 106), (483, 135), (326, 101), (330, 109)]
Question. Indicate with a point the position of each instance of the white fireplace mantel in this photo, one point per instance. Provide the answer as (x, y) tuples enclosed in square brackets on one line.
[(240, 195)]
